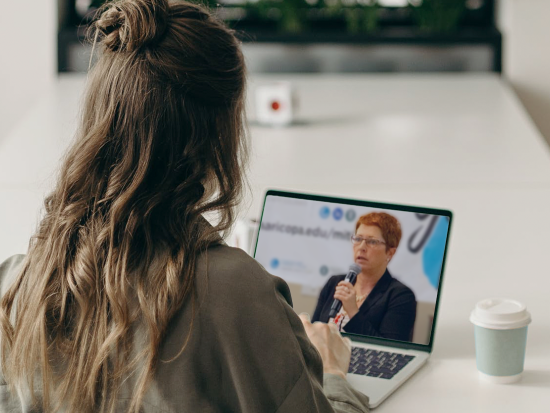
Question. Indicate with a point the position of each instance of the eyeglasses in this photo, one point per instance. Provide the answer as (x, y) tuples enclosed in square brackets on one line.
[(371, 242)]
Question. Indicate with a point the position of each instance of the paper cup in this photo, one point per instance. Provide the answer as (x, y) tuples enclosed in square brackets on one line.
[(500, 339)]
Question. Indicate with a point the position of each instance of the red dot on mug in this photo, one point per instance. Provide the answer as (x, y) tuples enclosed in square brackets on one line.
[(275, 105)]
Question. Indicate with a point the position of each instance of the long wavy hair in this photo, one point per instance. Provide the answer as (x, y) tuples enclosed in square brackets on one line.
[(161, 143)]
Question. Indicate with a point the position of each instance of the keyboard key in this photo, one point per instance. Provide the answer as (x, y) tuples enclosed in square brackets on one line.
[(373, 363)]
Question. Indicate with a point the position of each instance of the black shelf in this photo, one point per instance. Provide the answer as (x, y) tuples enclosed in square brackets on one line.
[(490, 37)]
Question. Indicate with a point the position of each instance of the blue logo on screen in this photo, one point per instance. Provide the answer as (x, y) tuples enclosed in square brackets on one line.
[(433, 252), (274, 263), (338, 214), (324, 212)]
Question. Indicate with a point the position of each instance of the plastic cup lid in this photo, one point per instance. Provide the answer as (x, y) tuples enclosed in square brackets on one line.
[(500, 314)]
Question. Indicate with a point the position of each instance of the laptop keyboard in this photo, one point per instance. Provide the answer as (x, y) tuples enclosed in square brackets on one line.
[(374, 363)]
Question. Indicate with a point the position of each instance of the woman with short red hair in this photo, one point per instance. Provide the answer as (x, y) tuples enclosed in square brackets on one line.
[(377, 305)]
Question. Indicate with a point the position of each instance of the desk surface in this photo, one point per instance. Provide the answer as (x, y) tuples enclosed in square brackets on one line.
[(457, 142), (459, 131)]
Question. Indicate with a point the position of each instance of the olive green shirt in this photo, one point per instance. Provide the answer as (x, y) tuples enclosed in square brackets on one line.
[(247, 353)]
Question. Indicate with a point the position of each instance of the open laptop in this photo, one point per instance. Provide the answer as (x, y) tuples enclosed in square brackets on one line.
[(306, 239)]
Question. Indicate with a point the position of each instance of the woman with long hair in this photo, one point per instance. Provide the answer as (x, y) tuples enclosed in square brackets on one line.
[(128, 299)]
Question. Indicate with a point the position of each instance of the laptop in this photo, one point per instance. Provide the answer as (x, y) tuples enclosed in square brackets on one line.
[(307, 240)]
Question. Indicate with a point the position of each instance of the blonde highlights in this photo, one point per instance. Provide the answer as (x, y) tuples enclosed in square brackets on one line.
[(161, 143)]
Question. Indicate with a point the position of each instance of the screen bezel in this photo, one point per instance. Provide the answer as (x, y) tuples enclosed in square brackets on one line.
[(372, 204)]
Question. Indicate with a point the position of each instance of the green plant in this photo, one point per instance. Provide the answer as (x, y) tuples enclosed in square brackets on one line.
[(360, 16), (212, 4), (440, 16), (290, 15)]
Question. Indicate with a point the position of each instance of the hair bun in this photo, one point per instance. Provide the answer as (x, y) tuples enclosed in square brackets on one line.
[(128, 25)]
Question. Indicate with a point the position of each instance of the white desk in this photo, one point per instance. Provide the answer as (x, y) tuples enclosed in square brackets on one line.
[(458, 142), (364, 132)]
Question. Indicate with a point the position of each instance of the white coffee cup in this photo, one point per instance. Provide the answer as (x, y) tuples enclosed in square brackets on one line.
[(500, 339)]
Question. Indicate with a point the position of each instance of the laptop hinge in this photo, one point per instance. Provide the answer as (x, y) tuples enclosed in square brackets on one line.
[(389, 343)]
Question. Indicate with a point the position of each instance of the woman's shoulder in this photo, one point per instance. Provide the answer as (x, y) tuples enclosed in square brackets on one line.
[(231, 285), (232, 272), (399, 288), (226, 262)]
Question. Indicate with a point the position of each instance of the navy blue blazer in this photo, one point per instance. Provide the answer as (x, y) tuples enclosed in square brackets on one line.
[(388, 311)]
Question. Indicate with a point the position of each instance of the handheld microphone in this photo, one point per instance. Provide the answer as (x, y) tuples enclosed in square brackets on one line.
[(354, 269)]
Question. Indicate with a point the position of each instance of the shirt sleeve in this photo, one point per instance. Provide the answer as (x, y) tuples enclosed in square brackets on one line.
[(315, 392), (344, 398), (323, 296)]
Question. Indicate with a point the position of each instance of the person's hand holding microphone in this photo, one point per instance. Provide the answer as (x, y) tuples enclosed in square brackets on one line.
[(334, 349), (345, 292)]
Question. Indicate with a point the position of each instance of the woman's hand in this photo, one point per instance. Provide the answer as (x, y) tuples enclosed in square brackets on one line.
[(346, 293), (334, 349)]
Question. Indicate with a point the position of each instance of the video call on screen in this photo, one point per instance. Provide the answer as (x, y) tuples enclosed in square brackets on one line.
[(306, 242)]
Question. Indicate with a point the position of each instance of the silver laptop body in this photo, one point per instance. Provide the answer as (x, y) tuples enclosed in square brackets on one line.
[(294, 242)]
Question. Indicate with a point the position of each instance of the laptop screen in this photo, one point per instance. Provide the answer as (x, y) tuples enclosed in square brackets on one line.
[(314, 242)]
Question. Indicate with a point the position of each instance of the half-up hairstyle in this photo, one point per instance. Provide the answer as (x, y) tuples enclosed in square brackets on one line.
[(161, 143)]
